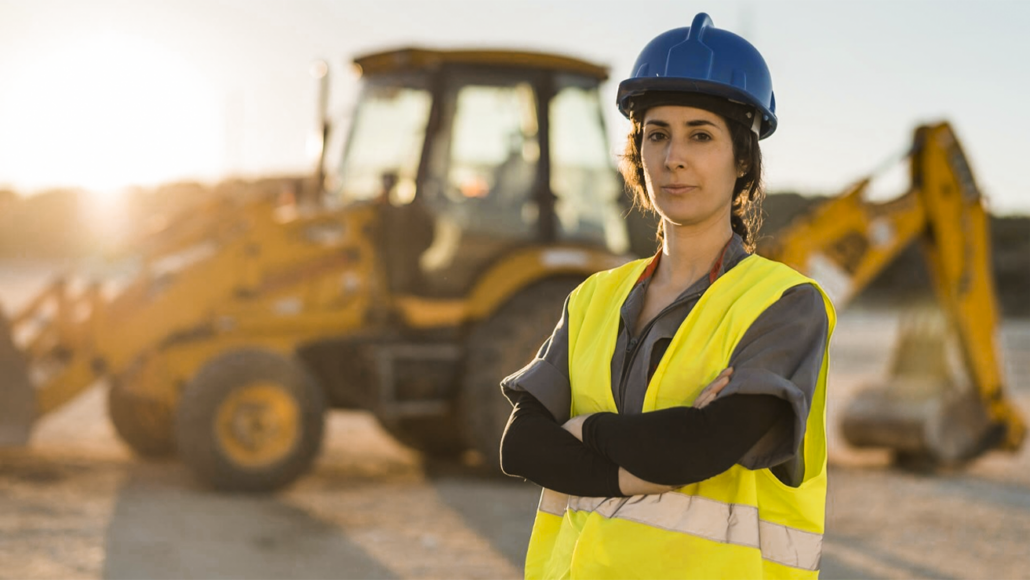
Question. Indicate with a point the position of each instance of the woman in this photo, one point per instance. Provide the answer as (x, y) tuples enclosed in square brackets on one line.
[(675, 417)]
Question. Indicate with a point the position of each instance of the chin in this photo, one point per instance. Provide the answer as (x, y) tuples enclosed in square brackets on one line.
[(683, 216), (690, 210), (689, 218)]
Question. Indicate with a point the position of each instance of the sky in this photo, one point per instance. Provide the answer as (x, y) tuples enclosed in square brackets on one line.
[(108, 93)]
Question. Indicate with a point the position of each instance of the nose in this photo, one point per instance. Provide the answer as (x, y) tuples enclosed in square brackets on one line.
[(675, 155)]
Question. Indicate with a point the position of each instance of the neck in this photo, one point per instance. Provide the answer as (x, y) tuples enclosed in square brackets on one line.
[(690, 252)]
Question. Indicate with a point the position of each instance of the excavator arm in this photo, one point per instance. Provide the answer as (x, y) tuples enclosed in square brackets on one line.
[(957, 248), (923, 409)]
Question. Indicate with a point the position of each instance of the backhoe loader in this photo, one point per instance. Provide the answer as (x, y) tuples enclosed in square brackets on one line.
[(475, 191)]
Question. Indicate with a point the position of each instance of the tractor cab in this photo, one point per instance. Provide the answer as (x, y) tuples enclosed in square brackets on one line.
[(471, 155)]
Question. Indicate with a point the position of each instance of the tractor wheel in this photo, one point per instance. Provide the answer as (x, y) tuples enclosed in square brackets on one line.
[(144, 424), (436, 437), (499, 346), (250, 420)]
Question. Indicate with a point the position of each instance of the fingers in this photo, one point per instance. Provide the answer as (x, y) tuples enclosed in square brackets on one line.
[(709, 396), (711, 392), (714, 388)]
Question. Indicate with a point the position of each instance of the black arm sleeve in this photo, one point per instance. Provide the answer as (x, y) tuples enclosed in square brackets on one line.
[(683, 445), (536, 447)]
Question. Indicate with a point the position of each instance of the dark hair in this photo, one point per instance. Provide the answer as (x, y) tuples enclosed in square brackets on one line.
[(748, 191)]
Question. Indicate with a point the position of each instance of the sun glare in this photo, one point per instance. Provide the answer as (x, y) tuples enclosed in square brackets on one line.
[(106, 111)]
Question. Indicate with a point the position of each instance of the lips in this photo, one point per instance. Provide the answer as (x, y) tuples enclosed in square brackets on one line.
[(678, 188)]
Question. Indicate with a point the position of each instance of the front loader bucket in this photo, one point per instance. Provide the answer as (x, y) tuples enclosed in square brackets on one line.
[(17, 395)]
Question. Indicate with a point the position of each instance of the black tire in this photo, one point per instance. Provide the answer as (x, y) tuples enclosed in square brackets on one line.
[(200, 428), (918, 463), (499, 346), (144, 424)]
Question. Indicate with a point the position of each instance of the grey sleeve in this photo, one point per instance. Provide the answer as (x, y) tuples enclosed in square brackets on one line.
[(546, 377), (781, 354)]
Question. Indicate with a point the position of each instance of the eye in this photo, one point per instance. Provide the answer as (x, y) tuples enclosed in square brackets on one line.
[(656, 136), (701, 136)]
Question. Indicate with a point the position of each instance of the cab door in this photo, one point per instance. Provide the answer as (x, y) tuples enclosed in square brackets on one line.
[(484, 183)]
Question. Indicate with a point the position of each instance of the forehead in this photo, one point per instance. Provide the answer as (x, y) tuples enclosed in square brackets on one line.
[(677, 115)]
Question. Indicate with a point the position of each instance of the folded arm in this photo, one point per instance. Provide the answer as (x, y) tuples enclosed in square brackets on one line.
[(684, 445), (536, 447), (672, 447), (758, 420)]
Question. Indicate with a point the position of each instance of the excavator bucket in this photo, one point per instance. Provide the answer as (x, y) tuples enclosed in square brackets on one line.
[(923, 423), (17, 394), (922, 411)]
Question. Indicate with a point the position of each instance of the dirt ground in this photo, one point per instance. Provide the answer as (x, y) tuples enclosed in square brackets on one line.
[(76, 504)]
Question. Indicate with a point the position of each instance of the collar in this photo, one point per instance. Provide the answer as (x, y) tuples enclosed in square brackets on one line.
[(731, 250)]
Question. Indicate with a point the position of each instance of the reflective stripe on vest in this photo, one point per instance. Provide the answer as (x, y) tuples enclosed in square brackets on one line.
[(553, 502), (740, 523), (699, 516)]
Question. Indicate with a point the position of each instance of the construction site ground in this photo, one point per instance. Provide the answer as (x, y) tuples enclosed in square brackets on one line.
[(77, 504)]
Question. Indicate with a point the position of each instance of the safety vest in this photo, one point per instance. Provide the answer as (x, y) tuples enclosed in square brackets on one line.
[(741, 523)]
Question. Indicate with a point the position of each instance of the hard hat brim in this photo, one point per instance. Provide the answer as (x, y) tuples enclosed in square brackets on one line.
[(631, 89)]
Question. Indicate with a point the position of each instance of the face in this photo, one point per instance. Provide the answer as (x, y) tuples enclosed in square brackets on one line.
[(689, 168)]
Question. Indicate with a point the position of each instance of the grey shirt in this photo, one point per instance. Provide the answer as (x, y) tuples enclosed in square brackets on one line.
[(780, 354)]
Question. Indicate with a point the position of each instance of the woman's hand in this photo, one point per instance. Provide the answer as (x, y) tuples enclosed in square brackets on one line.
[(575, 425), (630, 484), (713, 389)]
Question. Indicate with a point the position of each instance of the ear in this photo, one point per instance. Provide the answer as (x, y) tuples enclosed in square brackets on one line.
[(742, 169)]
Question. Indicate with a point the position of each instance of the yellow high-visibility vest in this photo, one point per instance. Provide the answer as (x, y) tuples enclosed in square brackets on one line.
[(741, 523)]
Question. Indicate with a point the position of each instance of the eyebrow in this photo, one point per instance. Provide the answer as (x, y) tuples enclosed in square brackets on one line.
[(695, 123)]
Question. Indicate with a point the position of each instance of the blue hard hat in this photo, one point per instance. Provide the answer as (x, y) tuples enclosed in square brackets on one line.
[(704, 60)]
